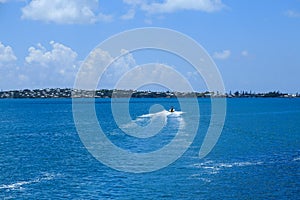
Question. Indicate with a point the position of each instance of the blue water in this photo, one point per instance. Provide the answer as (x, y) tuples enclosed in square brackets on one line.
[(256, 157)]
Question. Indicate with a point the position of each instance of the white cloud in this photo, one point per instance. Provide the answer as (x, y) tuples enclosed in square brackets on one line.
[(88, 11), (134, 2), (169, 6), (64, 12), (222, 55), (245, 53), (129, 15), (121, 65), (7, 55), (91, 68), (5, 1), (57, 66), (42, 68), (94, 69), (59, 55), (293, 14), (8, 66), (153, 74)]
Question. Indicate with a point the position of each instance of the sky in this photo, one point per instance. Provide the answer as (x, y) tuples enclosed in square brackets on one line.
[(255, 44)]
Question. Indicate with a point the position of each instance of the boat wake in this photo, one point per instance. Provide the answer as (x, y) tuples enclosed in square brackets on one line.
[(296, 159), (163, 113), (211, 168), (214, 168), (148, 125), (18, 185)]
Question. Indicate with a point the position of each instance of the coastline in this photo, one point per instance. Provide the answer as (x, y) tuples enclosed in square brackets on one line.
[(107, 93)]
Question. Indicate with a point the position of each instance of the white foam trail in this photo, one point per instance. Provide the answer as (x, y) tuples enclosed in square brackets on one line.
[(147, 118), (19, 184), (199, 177), (214, 168), (296, 159), (162, 113), (16, 185)]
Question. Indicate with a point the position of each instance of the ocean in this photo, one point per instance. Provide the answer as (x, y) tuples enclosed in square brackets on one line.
[(256, 157)]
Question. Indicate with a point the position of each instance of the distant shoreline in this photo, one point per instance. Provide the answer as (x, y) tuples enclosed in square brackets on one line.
[(107, 93)]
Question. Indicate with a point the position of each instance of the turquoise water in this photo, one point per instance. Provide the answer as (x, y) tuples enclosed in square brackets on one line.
[(256, 157)]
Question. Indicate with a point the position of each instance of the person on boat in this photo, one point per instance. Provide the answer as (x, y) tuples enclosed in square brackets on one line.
[(172, 109)]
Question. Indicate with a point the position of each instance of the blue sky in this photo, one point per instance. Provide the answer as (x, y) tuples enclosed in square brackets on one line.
[(255, 44)]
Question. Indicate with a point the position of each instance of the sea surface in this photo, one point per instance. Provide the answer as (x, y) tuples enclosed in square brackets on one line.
[(256, 157)]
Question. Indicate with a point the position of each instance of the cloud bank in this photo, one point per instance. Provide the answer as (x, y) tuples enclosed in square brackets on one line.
[(41, 68), (292, 14), (87, 11), (64, 12), (169, 6), (7, 55), (58, 65)]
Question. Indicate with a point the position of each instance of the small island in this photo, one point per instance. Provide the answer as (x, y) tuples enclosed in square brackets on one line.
[(108, 93)]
